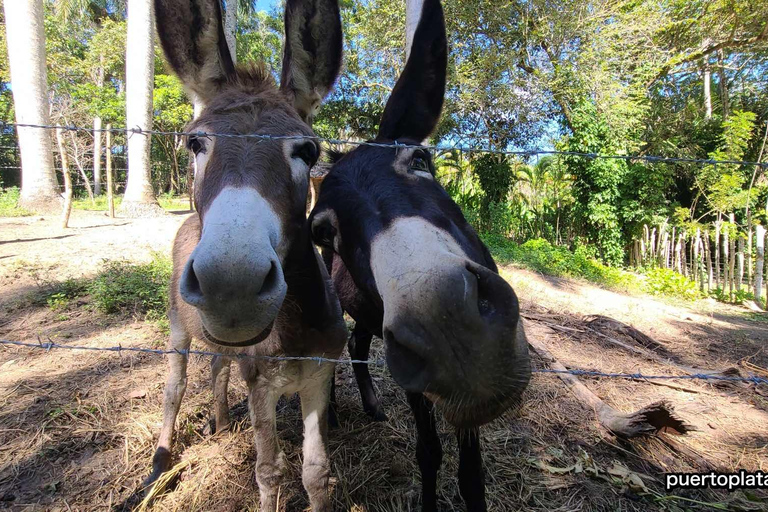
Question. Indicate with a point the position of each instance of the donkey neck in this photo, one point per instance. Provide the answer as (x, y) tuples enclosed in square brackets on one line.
[(308, 301)]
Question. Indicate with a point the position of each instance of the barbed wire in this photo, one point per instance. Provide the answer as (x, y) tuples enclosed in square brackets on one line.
[(49, 345), (395, 145)]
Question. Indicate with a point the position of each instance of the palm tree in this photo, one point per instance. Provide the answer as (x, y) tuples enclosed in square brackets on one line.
[(139, 197), (95, 12), (26, 52)]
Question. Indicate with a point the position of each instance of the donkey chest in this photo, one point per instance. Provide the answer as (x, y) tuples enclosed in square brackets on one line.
[(288, 377)]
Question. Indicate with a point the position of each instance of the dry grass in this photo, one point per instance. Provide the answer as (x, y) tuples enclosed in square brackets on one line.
[(77, 429)]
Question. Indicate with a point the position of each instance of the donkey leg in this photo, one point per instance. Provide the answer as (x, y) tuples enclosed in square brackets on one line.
[(316, 468), (220, 370), (270, 461), (429, 453), (471, 476), (175, 387), (333, 418), (359, 346)]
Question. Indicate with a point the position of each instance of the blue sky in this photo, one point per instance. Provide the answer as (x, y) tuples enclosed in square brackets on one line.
[(264, 5)]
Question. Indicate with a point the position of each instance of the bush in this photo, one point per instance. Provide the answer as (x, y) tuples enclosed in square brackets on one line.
[(665, 281), (65, 291), (546, 258), (138, 289), (9, 203)]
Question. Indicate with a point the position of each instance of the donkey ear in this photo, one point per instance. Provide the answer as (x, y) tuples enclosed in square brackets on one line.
[(414, 106), (192, 36), (312, 53)]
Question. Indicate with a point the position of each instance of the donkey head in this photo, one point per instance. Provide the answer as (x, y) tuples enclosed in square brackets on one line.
[(250, 193), (450, 322)]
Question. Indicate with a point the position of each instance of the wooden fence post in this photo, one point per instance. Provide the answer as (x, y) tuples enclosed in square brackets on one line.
[(695, 262), (748, 254), (760, 243), (699, 259), (67, 179), (683, 256), (110, 186), (732, 258), (644, 244), (717, 256), (740, 264), (708, 256)]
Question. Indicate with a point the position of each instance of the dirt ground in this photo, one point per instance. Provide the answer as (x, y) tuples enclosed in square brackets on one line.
[(77, 429)]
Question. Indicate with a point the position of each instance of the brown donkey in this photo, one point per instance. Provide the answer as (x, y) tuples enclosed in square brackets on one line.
[(246, 277)]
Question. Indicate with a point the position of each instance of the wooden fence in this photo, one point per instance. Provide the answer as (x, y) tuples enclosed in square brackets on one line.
[(720, 256)]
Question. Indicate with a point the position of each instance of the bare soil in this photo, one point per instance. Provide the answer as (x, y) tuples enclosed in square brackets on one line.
[(77, 429)]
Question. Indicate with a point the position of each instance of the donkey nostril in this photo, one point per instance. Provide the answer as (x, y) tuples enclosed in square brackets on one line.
[(271, 280), (190, 288)]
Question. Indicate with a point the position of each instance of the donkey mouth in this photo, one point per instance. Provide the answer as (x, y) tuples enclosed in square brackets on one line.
[(466, 414), (245, 343)]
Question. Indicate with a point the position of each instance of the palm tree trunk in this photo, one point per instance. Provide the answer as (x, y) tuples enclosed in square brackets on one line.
[(26, 52), (139, 197), (97, 148)]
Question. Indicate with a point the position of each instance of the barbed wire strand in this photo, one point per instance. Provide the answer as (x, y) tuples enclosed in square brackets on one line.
[(47, 346), (396, 145)]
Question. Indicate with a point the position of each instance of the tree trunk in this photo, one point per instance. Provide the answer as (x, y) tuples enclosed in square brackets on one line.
[(26, 52), (230, 27), (724, 95), (97, 148), (67, 179), (412, 15), (139, 199), (707, 91), (758, 283), (80, 168), (97, 156), (110, 186)]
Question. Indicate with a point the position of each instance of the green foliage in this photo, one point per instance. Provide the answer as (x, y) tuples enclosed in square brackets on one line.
[(9, 203), (739, 296), (124, 287), (65, 291), (597, 181), (540, 255), (664, 281)]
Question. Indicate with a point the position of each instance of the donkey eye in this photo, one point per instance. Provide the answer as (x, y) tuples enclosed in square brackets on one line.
[(308, 152), (195, 145), (419, 163), (323, 234)]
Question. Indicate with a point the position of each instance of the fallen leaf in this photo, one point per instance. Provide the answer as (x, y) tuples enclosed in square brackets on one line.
[(138, 393)]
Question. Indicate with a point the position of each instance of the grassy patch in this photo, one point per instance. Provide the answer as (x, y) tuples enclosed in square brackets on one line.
[(121, 287), (554, 260), (665, 281), (99, 203), (139, 289), (9, 203)]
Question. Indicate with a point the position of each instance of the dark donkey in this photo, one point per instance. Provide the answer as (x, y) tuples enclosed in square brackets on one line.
[(246, 276), (409, 268)]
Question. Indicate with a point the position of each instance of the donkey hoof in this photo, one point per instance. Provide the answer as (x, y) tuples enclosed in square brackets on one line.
[(161, 462), (377, 414), (333, 419)]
